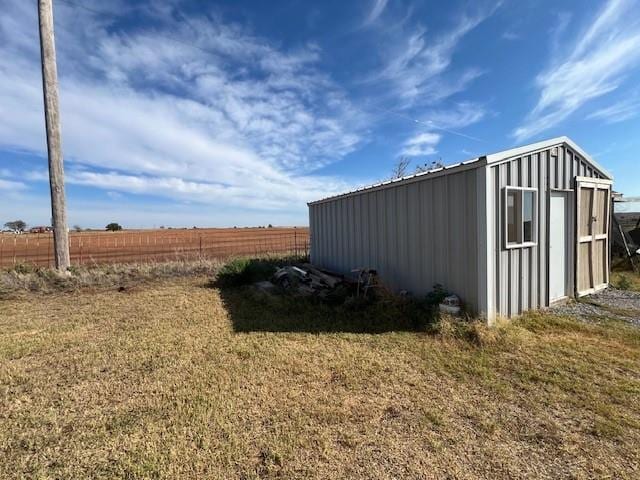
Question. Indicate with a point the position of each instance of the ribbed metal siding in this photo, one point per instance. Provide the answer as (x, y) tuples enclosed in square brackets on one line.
[(415, 234), (520, 275)]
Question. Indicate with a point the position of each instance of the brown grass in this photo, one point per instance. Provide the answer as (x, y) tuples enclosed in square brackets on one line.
[(628, 280), (155, 382), (25, 278)]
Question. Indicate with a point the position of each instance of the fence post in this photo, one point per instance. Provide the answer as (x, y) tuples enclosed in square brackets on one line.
[(49, 242)]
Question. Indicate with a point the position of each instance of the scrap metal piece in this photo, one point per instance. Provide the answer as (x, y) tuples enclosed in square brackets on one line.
[(451, 304)]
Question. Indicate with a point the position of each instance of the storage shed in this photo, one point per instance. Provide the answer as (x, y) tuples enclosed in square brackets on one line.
[(507, 232)]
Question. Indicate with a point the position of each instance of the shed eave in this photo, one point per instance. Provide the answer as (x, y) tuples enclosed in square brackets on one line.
[(589, 158), (543, 145)]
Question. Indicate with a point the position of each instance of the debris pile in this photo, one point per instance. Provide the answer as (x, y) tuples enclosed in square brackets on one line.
[(356, 290), (451, 304), (306, 280)]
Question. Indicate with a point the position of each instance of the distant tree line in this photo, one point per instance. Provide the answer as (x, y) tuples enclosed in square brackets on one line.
[(21, 226), (16, 225), (113, 227)]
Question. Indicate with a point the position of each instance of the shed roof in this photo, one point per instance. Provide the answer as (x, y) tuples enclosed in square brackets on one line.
[(543, 145), (497, 157)]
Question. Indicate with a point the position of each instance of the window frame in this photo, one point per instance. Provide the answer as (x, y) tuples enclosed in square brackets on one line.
[(505, 218)]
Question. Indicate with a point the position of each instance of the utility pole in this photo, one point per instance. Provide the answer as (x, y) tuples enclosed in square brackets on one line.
[(54, 144)]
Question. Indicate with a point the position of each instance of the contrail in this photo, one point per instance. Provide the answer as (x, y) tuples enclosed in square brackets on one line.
[(430, 124)]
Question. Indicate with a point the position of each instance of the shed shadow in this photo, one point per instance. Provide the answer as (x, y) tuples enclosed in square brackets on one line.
[(251, 310)]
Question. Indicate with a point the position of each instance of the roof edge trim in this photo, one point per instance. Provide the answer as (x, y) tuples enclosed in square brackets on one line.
[(543, 145)]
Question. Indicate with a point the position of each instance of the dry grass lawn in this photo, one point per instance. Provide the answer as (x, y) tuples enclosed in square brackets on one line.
[(627, 280), (158, 381)]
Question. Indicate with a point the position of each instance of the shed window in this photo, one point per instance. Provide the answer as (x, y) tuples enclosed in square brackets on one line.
[(520, 216)]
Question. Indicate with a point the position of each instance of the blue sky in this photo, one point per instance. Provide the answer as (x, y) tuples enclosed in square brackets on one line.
[(237, 113)]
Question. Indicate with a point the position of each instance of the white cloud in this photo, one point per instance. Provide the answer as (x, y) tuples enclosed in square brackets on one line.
[(277, 196), (136, 213), (421, 144), (36, 175), (510, 35), (376, 10), (417, 63), (460, 114), (558, 44), (114, 195), (235, 120), (205, 111), (445, 120), (596, 65), (618, 112), (11, 185)]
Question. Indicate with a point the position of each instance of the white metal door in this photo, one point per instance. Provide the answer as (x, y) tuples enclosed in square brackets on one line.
[(558, 246)]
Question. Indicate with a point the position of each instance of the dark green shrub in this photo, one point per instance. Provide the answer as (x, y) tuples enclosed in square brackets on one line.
[(245, 271), (435, 296), (623, 283), (24, 268)]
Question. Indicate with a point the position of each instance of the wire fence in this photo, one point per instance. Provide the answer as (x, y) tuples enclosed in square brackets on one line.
[(153, 246)]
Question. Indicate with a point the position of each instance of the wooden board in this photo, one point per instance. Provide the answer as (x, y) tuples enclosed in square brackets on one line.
[(592, 234)]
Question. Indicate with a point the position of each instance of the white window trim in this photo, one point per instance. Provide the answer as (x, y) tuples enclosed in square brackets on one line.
[(505, 222)]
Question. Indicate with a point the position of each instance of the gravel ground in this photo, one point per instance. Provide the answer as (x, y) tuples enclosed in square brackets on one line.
[(611, 303)]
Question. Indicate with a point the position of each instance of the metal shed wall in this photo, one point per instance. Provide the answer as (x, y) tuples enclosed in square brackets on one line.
[(414, 234), (517, 278)]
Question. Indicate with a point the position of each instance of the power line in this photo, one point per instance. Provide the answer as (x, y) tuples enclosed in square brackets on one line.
[(68, 2)]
